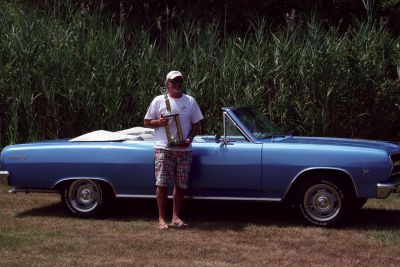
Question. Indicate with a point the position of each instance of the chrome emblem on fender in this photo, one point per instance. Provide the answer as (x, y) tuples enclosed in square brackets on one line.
[(17, 157), (364, 170)]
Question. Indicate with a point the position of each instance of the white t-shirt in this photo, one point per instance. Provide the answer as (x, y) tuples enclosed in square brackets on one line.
[(189, 113)]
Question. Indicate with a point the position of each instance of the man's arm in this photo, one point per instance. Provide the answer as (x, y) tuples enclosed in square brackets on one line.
[(193, 132), (156, 123)]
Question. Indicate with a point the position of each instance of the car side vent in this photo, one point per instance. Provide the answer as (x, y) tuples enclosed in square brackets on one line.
[(396, 165)]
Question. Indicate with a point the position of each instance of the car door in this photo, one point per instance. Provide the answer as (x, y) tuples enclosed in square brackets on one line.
[(226, 169)]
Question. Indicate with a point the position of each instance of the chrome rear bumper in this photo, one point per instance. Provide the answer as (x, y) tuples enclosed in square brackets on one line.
[(384, 190)]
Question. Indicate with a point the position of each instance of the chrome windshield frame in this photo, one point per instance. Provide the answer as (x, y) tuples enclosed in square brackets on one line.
[(228, 113)]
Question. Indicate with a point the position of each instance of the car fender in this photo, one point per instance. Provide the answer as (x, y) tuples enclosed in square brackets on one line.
[(303, 172), (59, 182)]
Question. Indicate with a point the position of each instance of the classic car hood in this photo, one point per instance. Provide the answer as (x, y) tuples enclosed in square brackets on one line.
[(383, 145)]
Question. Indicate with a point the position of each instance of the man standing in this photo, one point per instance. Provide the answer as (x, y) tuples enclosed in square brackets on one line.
[(175, 118)]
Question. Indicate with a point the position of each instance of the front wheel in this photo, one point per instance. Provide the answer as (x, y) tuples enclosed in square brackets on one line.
[(322, 202), (84, 198)]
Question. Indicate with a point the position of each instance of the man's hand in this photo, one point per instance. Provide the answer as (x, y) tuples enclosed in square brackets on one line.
[(187, 143), (192, 134), (156, 123), (162, 121)]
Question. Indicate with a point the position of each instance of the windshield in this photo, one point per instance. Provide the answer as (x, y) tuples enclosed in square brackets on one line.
[(257, 123)]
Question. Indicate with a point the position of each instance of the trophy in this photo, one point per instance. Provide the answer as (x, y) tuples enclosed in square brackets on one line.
[(172, 141)]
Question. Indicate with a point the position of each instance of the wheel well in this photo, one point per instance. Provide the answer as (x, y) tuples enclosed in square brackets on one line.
[(105, 185), (63, 184), (341, 176)]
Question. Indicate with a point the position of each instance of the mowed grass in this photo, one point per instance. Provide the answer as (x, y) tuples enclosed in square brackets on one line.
[(35, 229)]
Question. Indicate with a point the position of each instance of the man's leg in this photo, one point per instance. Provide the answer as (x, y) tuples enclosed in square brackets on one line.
[(177, 207), (162, 200), (163, 171), (183, 166)]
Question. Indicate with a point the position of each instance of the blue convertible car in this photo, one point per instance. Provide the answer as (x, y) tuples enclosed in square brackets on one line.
[(324, 178)]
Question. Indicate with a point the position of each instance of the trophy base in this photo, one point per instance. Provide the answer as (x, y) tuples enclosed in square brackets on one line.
[(176, 143)]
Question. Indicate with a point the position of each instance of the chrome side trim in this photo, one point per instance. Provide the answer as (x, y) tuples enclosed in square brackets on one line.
[(27, 190), (136, 196), (237, 198), (205, 198), (322, 169), (384, 190), (85, 178)]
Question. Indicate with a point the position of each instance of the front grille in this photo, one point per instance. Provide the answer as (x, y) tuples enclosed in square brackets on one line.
[(396, 165)]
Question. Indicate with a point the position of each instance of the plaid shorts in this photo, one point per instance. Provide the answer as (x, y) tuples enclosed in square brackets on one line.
[(172, 165)]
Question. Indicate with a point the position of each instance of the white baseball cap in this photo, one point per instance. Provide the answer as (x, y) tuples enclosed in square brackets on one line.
[(173, 74)]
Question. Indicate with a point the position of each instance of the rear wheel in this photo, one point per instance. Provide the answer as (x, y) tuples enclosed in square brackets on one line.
[(84, 198), (322, 201)]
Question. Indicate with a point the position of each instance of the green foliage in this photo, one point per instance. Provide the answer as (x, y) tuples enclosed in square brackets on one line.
[(66, 73)]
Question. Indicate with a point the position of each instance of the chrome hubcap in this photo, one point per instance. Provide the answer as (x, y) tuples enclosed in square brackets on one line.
[(322, 202), (84, 195)]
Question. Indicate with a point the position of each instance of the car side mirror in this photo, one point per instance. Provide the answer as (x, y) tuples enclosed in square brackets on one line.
[(219, 139)]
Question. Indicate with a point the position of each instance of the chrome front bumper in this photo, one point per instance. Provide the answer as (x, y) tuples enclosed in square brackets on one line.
[(384, 190)]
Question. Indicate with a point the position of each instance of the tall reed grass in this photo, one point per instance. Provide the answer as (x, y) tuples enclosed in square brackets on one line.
[(66, 73)]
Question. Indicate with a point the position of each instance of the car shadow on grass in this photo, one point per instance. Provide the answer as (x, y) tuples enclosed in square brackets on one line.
[(225, 215), (52, 210), (372, 218), (207, 215), (235, 215)]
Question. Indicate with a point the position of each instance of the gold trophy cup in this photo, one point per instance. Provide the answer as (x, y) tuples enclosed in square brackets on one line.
[(172, 141)]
